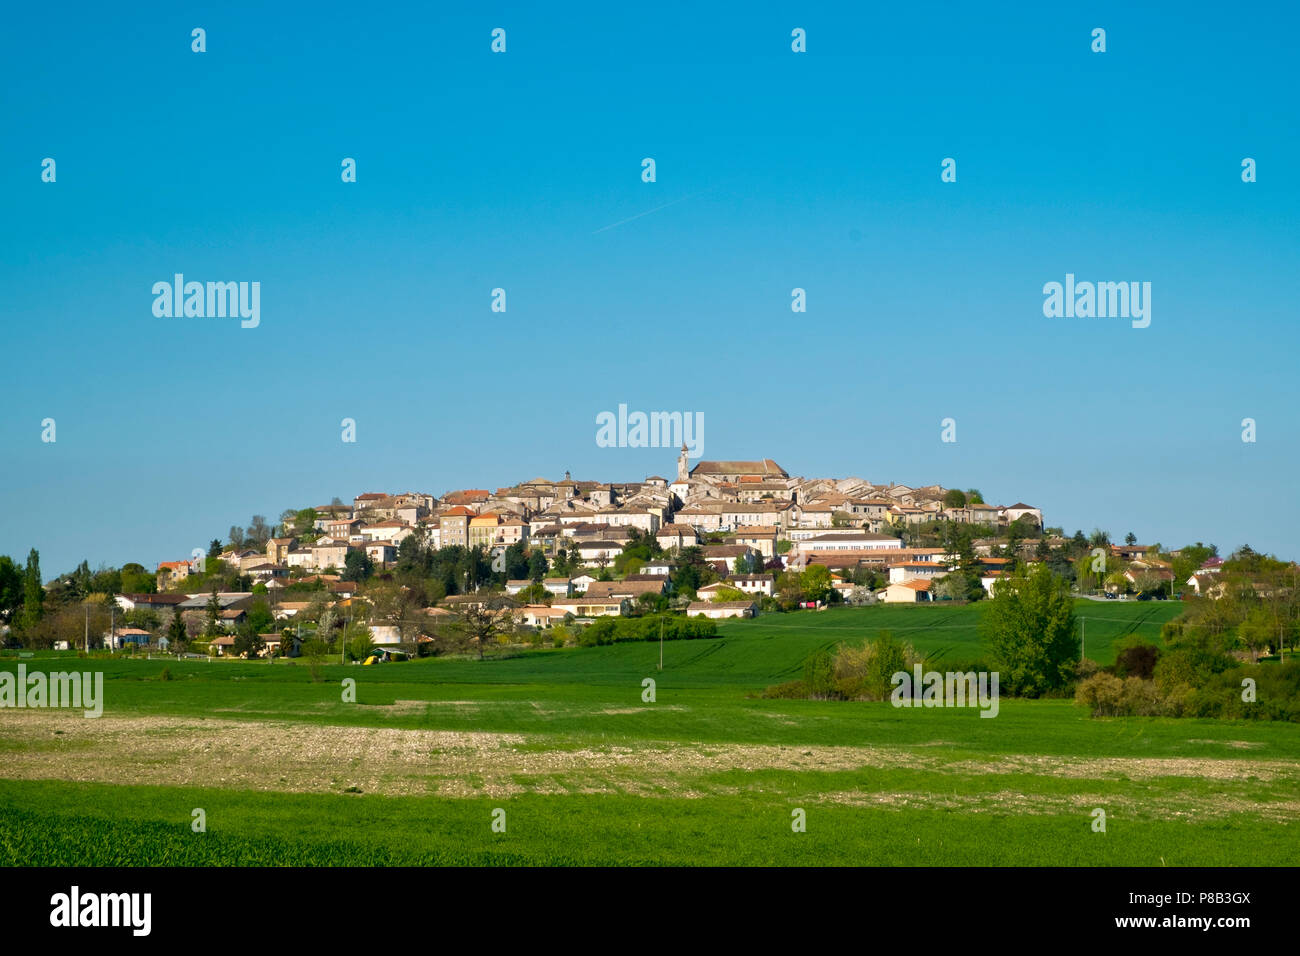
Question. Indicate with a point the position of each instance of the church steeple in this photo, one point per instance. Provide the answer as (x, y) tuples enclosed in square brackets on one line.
[(682, 472)]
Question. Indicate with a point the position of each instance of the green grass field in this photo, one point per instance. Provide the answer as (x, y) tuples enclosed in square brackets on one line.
[(586, 772)]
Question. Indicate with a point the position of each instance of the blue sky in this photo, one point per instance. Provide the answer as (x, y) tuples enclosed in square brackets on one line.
[(478, 170)]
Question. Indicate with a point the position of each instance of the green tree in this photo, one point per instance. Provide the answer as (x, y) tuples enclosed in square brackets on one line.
[(260, 619), (692, 570), (1130, 539), (536, 565), (789, 589), (11, 587), (951, 587), (249, 643), (535, 593), (516, 562), (212, 626), (954, 499), (1258, 631), (973, 497), (357, 566), (136, 579), (176, 633), (1148, 582), (304, 521), (1029, 627), (33, 592), (360, 642), (1190, 559), (816, 582)]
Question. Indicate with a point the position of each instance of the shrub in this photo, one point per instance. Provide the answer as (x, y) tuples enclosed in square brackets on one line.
[(1101, 693), (598, 633), (674, 627), (888, 657), (361, 646), (1140, 698), (791, 690), (861, 672), (1136, 658), (166, 674), (314, 648), (1190, 666), (819, 675), (851, 665), (1085, 668)]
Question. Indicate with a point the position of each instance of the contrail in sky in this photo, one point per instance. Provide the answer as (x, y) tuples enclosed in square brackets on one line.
[(649, 211)]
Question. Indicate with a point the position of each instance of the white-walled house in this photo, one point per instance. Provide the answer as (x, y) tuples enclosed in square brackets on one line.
[(593, 607), (905, 571), (754, 583), (381, 552), (1019, 510), (717, 610), (677, 535), (907, 592), (540, 615)]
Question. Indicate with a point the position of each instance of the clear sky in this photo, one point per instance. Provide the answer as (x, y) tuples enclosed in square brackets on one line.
[(775, 170)]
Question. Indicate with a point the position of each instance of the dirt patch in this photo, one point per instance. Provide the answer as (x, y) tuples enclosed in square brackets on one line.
[(1132, 768), (1117, 807), (290, 756)]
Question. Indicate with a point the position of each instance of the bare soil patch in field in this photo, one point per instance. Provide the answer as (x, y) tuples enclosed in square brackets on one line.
[(289, 756)]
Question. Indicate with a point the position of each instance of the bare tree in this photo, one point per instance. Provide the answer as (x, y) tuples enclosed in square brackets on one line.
[(258, 533), (483, 622)]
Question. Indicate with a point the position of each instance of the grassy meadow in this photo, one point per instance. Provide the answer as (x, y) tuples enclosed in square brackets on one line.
[(586, 772)]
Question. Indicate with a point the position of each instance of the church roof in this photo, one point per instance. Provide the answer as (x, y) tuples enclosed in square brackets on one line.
[(765, 466)]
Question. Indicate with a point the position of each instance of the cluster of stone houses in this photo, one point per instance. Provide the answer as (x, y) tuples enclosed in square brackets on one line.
[(759, 509)]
